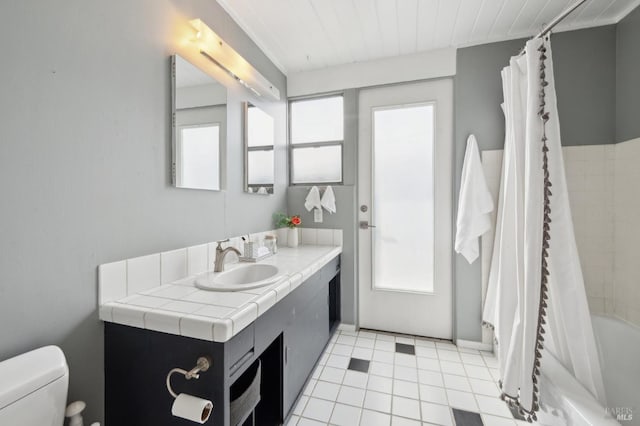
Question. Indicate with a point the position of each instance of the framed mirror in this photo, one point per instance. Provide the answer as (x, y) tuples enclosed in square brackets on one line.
[(259, 165), (199, 124)]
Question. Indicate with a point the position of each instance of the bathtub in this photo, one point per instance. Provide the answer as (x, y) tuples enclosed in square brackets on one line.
[(564, 402), (619, 346)]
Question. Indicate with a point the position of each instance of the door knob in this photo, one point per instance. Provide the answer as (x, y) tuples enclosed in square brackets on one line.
[(364, 224)]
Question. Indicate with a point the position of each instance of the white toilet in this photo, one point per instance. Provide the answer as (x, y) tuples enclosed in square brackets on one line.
[(33, 388)]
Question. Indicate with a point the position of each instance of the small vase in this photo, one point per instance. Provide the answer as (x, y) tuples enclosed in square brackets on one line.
[(283, 236), (292, 237)]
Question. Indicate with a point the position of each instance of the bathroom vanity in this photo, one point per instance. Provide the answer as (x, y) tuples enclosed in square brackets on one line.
[(281, 344)]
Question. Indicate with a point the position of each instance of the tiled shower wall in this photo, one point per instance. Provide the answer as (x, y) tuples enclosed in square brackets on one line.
[(626, 298), (590, 181), (604, 192)]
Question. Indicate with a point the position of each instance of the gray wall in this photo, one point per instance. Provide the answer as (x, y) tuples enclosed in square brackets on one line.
[(84, 164), (628, 78), (477, 99), (584, 66), (585, 72), (346, 209)]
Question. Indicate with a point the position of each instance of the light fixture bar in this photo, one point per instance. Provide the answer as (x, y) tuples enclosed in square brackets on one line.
[(216, 50)]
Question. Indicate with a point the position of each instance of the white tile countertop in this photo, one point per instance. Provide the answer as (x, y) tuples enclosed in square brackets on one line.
[(180, 308)]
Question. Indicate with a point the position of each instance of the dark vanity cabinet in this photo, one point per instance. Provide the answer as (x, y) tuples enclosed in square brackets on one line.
[(304, 339), (283, 345)]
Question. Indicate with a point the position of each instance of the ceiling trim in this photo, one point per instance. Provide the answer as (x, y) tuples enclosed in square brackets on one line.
[(632, 6), (252, 35), (558, 29), (376, 72)]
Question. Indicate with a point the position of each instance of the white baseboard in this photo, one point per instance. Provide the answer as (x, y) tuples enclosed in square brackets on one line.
[(347, 327), (470, 344)]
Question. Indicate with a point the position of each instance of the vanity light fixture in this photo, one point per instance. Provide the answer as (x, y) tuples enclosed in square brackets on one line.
[(212, 47)]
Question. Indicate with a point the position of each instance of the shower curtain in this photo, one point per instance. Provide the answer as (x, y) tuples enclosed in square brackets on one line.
[(536, 299)]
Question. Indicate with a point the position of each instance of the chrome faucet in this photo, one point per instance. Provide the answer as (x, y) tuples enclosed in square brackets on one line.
[(220, 255)]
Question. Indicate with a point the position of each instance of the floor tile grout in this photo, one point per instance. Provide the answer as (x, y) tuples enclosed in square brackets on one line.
[(457, 367)]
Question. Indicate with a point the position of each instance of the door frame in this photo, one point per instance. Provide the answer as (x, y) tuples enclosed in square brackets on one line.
[(443, 190)]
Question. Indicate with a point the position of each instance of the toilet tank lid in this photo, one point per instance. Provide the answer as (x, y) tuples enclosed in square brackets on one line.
[(26, 373)]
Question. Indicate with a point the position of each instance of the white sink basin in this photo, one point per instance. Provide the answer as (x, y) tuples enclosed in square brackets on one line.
[(240, 278)]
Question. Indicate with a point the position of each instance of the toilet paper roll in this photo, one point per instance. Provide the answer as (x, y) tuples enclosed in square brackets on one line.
[(192, 408)]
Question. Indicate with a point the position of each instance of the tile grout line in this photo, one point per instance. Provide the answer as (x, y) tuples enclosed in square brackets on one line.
[(418, 383)]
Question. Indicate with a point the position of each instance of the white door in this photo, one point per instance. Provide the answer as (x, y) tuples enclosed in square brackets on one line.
[(405, 160)]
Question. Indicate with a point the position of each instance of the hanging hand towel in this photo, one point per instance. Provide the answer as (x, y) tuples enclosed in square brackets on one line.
[(474, 204), (313, 199), (329, 200)]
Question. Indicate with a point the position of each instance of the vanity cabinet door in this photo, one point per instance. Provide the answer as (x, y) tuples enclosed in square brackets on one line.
[(304, 339)]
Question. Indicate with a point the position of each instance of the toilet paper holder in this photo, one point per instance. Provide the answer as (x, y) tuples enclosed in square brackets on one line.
[(202, 365)]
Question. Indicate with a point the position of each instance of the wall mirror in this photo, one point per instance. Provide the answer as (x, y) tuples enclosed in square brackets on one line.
[(259, 136), (199, 107)]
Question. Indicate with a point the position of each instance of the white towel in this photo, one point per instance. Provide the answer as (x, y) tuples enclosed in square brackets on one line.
[(262, 190), (313, 199), (329, 200), (474, 204)]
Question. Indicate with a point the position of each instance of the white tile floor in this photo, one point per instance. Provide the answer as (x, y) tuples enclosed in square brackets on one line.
[(400, 389)]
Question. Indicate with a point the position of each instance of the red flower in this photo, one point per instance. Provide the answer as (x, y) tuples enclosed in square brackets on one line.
[(295, 220)]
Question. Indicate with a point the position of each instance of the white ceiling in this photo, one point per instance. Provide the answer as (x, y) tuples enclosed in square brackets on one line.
[(300, 35)]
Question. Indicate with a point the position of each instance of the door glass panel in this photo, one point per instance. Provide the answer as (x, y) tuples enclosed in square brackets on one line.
[(403, 246), (198, 150)]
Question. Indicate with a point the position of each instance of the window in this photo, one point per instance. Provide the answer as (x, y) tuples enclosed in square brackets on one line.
[(260, 136), (317, 137)]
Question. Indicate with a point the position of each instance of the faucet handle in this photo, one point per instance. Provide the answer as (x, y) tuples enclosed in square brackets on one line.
[(220, 243)]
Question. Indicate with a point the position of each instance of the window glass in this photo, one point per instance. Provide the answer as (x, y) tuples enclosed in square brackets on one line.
[(317, 120), (260, 167), (317, 164), (261, 129)]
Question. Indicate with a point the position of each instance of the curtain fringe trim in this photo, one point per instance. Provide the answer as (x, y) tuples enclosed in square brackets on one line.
[(546, 237)]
